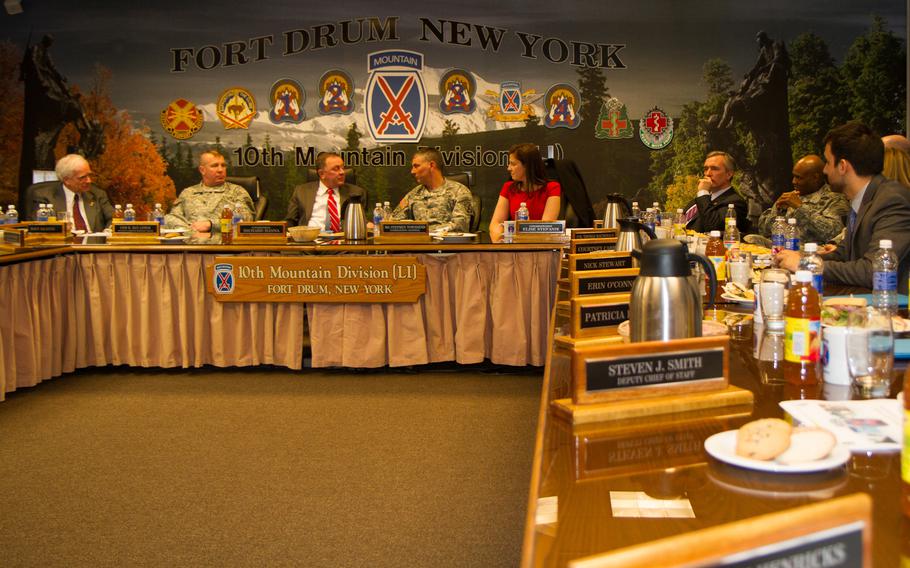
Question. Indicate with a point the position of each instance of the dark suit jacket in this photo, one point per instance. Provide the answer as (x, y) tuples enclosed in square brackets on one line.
[(300, 207), (711, 214), (98, 208), (883, 214)]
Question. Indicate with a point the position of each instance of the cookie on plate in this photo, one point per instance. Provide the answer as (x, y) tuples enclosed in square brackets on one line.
[(808, 445), (763, 439)]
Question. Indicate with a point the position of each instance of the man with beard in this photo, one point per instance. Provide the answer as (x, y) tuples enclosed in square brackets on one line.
[(879, 208)]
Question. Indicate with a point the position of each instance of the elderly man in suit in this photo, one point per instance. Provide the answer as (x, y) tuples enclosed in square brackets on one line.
[(322, 204), (879, 208), (87, 205), (707, 211)]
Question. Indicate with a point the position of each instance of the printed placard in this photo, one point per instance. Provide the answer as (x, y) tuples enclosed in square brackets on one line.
[(835, 532), (587, 234), (260, 232), (342, 279), (605, 260), (601, 282), (389, 228), (14, 237), (46, 229), (649, 369), (539, 232), (135, 228), (586, 246), (593, 316)]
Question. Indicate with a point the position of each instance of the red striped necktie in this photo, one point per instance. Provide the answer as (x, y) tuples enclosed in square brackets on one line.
[(78, 220), (333, 213)]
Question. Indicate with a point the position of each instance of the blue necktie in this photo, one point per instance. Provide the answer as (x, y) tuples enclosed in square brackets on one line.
[(852, 220)]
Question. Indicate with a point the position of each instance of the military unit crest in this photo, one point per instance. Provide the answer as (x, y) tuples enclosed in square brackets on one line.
[(181, 119), (457, 90), (336, 92), (562, 104), (396, 101), (613, 122), (236, 108), (288, 98), (511, 104), (655, 129)]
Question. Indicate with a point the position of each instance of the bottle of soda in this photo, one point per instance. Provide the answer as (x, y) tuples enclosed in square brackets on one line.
[(118, 213), (41, 215), (884, 277), (812, 262), (129, 214), (227, 220), (792, 235), (522, 213), (377, 219), (778, 235), (158, 214), (716, 253), (802, 337)]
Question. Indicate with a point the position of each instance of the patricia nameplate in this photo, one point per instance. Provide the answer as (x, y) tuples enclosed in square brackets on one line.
[(276, 229), (585, 234), (604, 260), (598, 315), (135, 228), (602, 282), (586, 246), (389, 228), (540, 228), (649, 369)]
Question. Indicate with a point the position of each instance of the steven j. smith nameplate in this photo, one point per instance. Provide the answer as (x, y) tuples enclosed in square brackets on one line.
[(655, 369)]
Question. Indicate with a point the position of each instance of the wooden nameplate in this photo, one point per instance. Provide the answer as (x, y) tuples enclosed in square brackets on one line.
[(260, 233), (603, 260), (44, 232), (14, 238), (585, 246), (596, 233), (402, 232), (134, 232), (839, 530), (540, 232), (600, 282)]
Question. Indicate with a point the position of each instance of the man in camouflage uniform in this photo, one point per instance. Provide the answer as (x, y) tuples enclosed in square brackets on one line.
[(199, 206), (446, 204), (819, 212)]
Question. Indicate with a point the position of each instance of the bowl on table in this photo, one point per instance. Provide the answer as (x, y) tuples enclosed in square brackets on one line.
[(303, 234)]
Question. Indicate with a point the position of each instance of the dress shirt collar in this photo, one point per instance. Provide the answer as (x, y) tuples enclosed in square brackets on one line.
[(857, 201), (719, 192)]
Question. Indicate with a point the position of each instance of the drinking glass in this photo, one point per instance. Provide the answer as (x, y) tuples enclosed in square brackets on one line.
[(870, 351), (774, 284), (771, 358), (739, 269)]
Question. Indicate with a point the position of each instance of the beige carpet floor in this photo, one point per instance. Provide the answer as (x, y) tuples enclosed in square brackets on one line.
[(212, 467)]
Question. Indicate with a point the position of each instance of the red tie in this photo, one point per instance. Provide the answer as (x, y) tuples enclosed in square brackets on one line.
[(333, 212), (691, 213), (78, 220)]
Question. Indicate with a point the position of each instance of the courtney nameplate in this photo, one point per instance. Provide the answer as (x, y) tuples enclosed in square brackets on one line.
[(649, 369), (344, 279), (592, 245)]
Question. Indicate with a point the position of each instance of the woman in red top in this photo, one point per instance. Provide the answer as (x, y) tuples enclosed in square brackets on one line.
[(530, 186)]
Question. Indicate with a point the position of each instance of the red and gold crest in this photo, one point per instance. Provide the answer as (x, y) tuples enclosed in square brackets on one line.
[(181, 119)]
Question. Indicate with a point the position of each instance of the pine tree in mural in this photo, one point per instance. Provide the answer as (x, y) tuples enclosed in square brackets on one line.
[(592, 86)]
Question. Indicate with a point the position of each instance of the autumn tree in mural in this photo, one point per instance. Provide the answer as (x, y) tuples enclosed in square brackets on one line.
[(130, 168), (11, 92)]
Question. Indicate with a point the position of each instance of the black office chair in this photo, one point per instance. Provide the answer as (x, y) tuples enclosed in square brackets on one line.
[(28, 212), (575, 205), (251, 185), (467, 179), (349, 175)]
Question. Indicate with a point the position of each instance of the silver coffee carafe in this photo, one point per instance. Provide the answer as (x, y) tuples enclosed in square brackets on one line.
[(617, 208), (355, 224), (630, 239), (666, 303)]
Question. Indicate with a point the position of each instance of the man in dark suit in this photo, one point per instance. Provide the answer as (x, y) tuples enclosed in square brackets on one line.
[(316, 204), (706, 212), (87, 205), (879, 208)]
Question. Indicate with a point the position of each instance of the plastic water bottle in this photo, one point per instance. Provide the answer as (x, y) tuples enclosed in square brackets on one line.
[(41, 216), (129, 214), (812, 262), (238, 217), (731, 236), (12, 216), (158, 214), (730, 214), (647, 218), (522, 213), (386, 211), (792, 235), (636, 212), (118, 213), (679, 226), (377, 219), (884, 277), (778, 235), (657, 216)]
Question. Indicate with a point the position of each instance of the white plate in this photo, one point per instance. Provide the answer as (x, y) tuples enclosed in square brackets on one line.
[(174, 231), (722, 446), (455, 237), (736, 299), (172, 240)]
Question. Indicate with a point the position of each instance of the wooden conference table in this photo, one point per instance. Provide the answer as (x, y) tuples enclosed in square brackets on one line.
[(63, 308), (581, 474)]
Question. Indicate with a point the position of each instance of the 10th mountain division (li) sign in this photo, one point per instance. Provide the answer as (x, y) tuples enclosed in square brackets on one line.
[(348, 279)]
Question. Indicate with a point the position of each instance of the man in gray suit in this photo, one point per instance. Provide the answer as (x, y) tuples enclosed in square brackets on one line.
[(310, 203), (87, 205), (879, 208)]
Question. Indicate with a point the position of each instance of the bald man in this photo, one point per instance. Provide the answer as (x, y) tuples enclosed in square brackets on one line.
[(819, 212)]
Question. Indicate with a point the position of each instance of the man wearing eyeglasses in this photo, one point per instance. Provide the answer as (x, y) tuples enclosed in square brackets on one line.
[(87, 205)]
